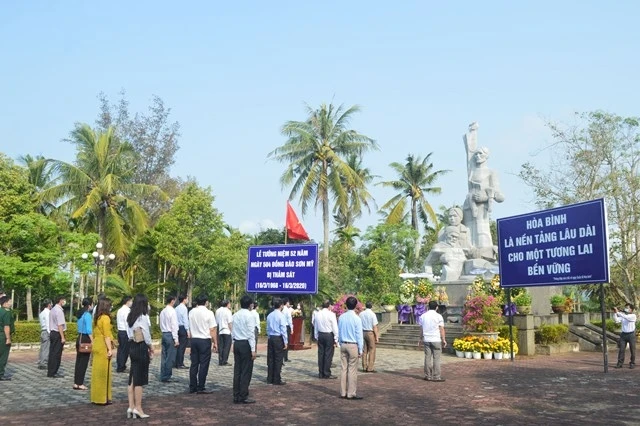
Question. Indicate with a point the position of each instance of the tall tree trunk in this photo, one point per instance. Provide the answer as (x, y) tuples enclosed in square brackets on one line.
[(414, 224), (325, 223), (29, 307)]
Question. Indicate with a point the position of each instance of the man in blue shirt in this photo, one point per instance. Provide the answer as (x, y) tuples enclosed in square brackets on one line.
[(278, 340), (351, 347)]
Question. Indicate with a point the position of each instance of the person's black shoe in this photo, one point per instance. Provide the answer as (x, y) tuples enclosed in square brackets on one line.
[(57, 376), (280, 383), (182, 367), (248, 401), (204, 392), (42, 367), (618, 366), (632, 366), (356, 397), (440, 379), (5, 378), (169, 381)]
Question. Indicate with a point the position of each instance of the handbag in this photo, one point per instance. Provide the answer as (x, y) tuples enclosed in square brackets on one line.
[(84, 347), (138, 336)]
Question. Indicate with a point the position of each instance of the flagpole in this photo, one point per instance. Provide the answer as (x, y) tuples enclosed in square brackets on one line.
[(286, 231)]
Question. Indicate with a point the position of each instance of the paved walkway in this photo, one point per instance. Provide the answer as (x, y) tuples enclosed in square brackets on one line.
[(562, 389)]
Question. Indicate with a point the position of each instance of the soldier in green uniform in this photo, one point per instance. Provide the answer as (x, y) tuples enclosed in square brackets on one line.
[(7, 327)]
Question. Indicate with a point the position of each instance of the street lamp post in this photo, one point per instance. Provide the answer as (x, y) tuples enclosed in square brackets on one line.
[(99, 260)]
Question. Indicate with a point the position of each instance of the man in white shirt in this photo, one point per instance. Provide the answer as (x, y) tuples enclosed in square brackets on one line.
[(44, 334), (326, 334), (433, 337), (371, 337), (204, 341), (287, 311), (170, 342), (256, 316), (183, 329), (123, 337), (244, 351), (628, 335), (225, 325)]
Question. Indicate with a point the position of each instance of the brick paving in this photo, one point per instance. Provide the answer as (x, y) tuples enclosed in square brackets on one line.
[(560, 389)]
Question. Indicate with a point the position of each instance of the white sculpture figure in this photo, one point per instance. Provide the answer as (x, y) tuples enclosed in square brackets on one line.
[(454, 219), (449, 253), (484, 188)]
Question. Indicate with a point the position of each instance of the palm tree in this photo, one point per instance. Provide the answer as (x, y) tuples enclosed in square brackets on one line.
[(97, 190), (317, 152), (415, 181), (39, 176), (357, 193)]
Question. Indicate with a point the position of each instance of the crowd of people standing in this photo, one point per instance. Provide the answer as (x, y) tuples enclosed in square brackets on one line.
[(355, 333)]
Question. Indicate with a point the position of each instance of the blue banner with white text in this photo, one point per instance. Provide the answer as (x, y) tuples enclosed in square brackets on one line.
[(288, 268), (560, 246)]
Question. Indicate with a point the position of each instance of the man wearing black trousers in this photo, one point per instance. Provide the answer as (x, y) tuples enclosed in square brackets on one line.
[(183, 329), (278, 340), (244, 351), (224, 318), (123, 338), (204, 341), (326, 334), (57, 327)]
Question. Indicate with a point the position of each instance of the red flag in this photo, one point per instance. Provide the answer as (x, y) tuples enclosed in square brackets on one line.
[(295, 230)]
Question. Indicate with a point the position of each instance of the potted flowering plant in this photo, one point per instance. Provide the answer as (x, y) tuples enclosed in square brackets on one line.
[(441, 295), (340, 307), (424, 291), (558, 303), (407, 292), (482, 314), (523, 302), (389, 301)]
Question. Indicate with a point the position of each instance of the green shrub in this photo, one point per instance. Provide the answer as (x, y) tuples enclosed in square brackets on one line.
[(610, 325), (503, 332), (29, 332), (557, 300), (523, 299), (548, 334)]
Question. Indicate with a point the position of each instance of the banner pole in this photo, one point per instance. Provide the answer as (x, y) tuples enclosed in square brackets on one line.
[(605, 352)]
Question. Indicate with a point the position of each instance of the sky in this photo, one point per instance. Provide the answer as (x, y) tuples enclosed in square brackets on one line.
[(234, 72)]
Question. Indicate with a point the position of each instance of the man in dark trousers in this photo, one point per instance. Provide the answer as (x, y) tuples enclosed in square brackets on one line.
[(57, 327), (628, 334), (183, 329), (244, 351), (123, 338), (278, 340), (326, 334)]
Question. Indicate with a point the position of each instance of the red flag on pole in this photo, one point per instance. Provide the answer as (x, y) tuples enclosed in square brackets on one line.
[(295, 230)]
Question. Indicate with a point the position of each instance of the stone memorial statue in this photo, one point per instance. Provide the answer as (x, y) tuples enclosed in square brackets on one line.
[(465, 245), (484, 188)]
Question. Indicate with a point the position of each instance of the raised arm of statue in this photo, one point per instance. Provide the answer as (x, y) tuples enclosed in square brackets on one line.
[(471, 145)]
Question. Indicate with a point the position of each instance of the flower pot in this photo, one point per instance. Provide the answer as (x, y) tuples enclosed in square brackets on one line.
[(524, 310), (459, 354), (477, 355), (558, 309), (487, 355), (498, 355), (389, 308), (468, 355)]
